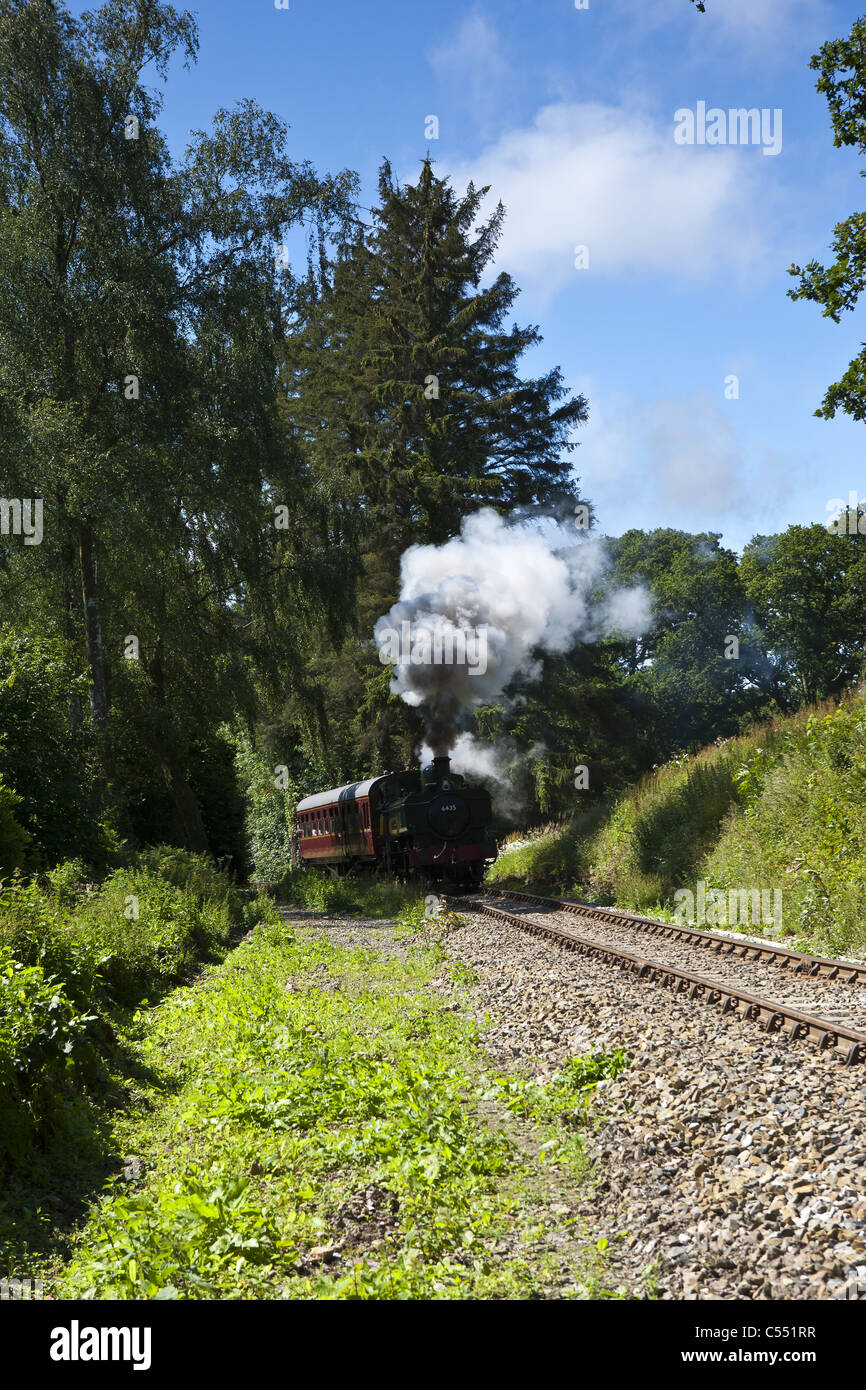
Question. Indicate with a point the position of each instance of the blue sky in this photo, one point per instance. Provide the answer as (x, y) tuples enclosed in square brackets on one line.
[(570, 116)]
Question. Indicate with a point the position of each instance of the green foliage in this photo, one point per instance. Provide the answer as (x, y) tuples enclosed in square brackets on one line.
[(144, 953), (549, 855), (355, 894), (808, 590), (404, 382), (576, 711), (313, 1078), (128, 938), (158, 276), (43, 1042), (841, 64), (66, 881), (196, 874), (42, 758), (681, 688), (211, 1228), (73, 956), (14, 839), (567, 1094), (676, 822), (269, 808), (803, 829), (749, 778), (780, 808), (404, 308), (428, 921)]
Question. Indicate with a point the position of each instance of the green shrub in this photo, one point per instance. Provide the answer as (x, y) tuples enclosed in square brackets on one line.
[(357, 895), (551, 857), (148, 933), (45, 761), (66, 880), (141, 930), (14, 839), (43, 1044), (72, 954), (195, 873)]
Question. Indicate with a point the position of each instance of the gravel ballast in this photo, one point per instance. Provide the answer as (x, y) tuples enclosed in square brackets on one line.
[(730, 1165), (835, 1001)]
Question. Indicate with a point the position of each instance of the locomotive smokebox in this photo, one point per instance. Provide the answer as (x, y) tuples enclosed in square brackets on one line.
[(438, 773)]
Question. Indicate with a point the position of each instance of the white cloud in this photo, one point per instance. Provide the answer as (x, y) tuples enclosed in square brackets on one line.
[(474, 45), (473, 67), (670, 462), (689, 461), (693, 454), (613, 179)]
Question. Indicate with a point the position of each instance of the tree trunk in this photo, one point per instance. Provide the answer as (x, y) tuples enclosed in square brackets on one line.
[(93, 631), (67, 570), (182, 794)]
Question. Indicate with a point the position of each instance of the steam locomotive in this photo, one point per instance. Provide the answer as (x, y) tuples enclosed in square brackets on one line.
[(425, 824)]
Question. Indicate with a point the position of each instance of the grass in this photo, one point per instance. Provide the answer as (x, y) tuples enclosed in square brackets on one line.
[(358, 895), (782, 807), (314, 1122), (548, 856)]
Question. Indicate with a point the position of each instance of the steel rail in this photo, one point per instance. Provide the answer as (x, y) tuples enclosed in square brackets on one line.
[(770, 1016), (798, 962)]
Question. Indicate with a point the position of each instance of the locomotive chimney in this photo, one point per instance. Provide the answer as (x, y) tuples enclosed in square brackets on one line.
[(441, 766)]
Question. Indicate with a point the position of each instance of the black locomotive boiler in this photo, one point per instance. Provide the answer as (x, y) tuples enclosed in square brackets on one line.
[(427, 825)]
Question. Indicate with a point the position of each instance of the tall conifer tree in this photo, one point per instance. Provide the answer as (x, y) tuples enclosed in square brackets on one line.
[(405, 396), (406, 377)]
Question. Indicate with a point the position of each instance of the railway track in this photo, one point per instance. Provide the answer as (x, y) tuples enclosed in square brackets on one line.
[(799, 963), (725, 989)]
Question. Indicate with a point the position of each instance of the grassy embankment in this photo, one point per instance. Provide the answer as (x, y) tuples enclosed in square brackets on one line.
[(780, 807), (303, 1120)]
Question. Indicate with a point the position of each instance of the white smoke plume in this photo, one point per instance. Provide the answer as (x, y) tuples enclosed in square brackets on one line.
[(501, 767), (499, 593)]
